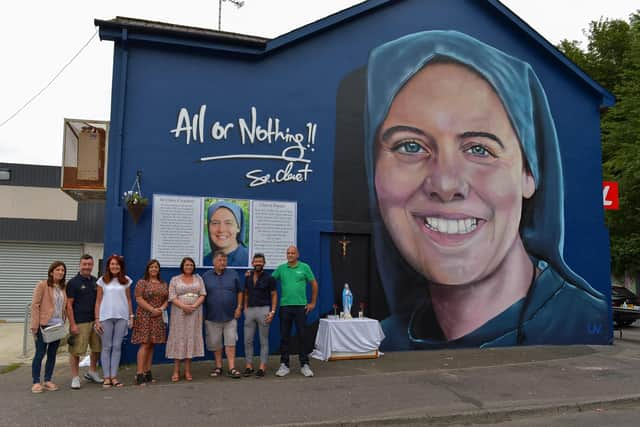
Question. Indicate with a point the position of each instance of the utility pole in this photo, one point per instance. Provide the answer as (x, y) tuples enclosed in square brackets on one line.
[(237, 3)]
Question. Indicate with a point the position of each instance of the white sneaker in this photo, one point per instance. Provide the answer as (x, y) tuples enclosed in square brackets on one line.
[(94, 377), (282, 371), (75, 383), (306, 370)]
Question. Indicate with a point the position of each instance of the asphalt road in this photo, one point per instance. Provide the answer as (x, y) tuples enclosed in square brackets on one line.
[(624, 415), (599, 417), (630, 334), (554, 385)]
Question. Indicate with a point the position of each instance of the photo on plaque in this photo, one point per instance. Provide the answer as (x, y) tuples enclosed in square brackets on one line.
[(226, 227)]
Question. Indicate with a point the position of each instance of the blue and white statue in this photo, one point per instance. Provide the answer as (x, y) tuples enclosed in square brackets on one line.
[(347, 301)]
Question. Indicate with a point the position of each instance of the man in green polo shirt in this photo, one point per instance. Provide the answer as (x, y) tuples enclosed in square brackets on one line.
[(293, 277)]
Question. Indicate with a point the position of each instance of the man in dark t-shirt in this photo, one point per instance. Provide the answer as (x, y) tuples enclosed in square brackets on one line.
[(260, 302), (81, 301)]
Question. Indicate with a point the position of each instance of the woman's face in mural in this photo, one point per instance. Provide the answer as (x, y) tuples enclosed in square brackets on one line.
[(223, 229), (450, 177)]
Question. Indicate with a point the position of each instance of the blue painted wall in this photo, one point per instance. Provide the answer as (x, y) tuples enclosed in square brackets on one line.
[(297, 83)]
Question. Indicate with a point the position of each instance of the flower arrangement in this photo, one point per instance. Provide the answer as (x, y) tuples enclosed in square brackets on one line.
[(136, 204), (335, 309), (132, 197)]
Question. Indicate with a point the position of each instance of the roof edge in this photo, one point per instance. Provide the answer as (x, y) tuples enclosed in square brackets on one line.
[(326, 23), (608, 99), (145, 30), (158, 32)]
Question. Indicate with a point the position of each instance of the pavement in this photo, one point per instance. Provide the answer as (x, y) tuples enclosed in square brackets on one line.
[(11, 344), (454, 387)]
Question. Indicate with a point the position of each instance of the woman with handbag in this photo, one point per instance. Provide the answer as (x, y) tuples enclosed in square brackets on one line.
[(186, 295), (114, 314), (149, 329), (47, 324)]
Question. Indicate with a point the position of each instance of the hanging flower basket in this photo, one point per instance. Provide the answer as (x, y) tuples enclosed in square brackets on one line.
[(136, 210), (135, 201)]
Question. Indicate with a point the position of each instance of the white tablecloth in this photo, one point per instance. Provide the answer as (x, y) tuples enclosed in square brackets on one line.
[(347, 336)]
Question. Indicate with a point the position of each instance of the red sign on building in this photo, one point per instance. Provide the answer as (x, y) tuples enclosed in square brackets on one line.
[(610, 195)]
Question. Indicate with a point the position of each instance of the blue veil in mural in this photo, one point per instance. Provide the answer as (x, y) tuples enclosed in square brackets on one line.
[(560, 307)]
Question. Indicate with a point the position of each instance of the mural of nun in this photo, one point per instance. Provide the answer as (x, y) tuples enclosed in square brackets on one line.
[(226, 229), (466, 189)]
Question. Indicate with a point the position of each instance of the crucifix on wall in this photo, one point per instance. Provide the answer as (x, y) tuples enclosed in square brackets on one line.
[(344, 243)]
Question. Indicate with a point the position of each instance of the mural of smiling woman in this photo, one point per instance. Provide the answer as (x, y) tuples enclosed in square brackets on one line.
[(465, 182), (226, 230)]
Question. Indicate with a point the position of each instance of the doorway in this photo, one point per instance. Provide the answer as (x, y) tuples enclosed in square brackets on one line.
[(352, 261)]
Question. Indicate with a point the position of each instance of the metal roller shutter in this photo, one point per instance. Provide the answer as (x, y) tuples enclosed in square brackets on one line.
[(22, 265)]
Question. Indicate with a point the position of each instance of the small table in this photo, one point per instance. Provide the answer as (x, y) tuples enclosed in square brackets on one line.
[(343, 339)]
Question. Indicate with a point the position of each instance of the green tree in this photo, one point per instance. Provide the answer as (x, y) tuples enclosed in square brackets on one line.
[(575, 53), (612, 57)]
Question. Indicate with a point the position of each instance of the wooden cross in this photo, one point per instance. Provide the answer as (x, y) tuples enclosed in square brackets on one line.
[(344, 242)]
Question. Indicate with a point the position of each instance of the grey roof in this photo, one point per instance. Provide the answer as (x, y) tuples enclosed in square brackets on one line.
[(167, 29), (89, 227), (32, 175)]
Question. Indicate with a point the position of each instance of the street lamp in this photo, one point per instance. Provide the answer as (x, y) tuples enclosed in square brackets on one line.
[(237, 3)]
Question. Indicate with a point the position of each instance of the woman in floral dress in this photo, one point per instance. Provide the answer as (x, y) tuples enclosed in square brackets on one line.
[(186, 295), (149, 328)]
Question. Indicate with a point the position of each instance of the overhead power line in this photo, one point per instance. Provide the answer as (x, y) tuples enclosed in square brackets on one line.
[(33, 98)]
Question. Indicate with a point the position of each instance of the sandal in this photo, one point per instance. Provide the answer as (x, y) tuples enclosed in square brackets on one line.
[(37, 388), (148, 377), (188, 377), (49, 386), (248, 372), (175, 378), (234, 373), (116, 383), (216, 372), (106, 383), (141, 380)]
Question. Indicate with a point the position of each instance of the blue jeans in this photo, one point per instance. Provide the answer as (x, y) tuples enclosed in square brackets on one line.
[(43, 348), (289, 315)]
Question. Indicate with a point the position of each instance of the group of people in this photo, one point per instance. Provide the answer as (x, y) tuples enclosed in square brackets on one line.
[(100, 312)]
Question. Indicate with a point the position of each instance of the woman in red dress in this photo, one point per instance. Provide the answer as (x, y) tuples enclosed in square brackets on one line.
[(152, 294)]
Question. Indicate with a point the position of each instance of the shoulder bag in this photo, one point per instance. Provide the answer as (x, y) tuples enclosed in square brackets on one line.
[(53, 333)]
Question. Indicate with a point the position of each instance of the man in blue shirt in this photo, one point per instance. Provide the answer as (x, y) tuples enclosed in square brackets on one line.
[(223, 306)]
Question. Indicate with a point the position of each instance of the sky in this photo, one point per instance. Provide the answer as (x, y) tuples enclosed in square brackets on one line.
[(39, 37)]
